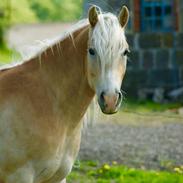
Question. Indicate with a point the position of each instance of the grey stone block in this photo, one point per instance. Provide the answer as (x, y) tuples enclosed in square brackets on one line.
[(130, 40), (168, 40), (133, 59), (179, 58), (166, 78), (135, 78), (148, 58), (143, 79), (162, 58), (181, 76), (179, 40), (150, 40)]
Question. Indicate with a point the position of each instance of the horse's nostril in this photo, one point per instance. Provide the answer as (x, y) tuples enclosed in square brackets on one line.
[(119, 98), (102, 100), (102, 97), (120, 95)]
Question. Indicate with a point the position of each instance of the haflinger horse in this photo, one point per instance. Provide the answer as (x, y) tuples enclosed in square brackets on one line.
[(43, 100)]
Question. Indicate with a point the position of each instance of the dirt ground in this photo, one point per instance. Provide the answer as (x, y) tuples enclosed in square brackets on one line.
[(151, 140), (23, 35), (146, 140)]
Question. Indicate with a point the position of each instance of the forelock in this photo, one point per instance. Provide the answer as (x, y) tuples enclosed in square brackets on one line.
[(108, 37)]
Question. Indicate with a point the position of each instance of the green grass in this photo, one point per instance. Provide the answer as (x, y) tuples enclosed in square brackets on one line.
[(90, 172), (150, 106), (42, 11)]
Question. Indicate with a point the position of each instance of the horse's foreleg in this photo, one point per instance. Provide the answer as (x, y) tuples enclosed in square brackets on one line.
[(22, 175)]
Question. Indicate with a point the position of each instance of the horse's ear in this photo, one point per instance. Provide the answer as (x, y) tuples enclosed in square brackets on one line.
[(93, 16), (124, 16)]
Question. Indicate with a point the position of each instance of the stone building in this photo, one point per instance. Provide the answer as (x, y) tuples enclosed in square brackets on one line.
[(155, 36)]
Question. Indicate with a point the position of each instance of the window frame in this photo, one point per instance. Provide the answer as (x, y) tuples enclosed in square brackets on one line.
[(153, 18)]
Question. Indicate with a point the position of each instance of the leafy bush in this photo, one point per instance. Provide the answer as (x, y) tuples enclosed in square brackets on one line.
[(20, 11), (3, 26), (1, 36), (31, 11), (57, 10), (27, 11)]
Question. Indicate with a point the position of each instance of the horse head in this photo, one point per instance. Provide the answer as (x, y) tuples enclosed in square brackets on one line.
[(107, 57)]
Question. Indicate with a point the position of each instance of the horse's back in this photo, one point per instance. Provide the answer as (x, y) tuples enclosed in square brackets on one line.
[(24, 88)]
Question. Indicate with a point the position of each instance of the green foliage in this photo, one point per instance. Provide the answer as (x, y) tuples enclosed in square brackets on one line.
[(149, 106), (7, 55), (28, 11), (2, 26), (121, 174), (31, 11), (57, 10), (1, 36), (20, 11), (68, 10), (44, 10)]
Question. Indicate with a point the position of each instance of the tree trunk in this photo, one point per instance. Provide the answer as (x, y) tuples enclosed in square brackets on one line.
[(1, 36)]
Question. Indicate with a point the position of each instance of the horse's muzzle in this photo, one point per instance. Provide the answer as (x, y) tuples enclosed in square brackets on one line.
[(110, 102)]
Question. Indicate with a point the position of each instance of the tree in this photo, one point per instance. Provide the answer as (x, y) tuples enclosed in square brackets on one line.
[(1, 28), (5, 14)]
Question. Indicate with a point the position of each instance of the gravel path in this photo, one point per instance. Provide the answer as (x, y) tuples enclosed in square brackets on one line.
[(148, 140), (152, 145), (23, 35)]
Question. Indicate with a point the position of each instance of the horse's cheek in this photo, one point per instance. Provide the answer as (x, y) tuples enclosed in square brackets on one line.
[(121, 71)]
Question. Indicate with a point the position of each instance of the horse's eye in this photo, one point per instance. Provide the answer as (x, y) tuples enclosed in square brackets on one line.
[(126, 52), (91, 51)]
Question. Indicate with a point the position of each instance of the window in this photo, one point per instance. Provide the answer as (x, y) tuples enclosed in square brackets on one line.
[(157, 15)]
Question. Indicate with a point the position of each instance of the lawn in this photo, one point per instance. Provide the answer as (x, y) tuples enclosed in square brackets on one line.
[(150, 106), (90, 172)]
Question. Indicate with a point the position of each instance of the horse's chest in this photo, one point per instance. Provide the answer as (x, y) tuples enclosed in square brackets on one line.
[(55, 169), (59, 165)]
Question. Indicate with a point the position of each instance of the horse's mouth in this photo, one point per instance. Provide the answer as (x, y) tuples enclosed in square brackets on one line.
[(109, 111)]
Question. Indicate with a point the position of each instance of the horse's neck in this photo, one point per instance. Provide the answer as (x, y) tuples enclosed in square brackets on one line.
[(64, 68)]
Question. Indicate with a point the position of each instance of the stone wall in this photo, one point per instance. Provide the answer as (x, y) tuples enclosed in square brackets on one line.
[(155, 61), (180, 15)]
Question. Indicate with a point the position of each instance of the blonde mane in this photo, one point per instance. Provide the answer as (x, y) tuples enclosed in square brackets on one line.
[(109, 39)]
